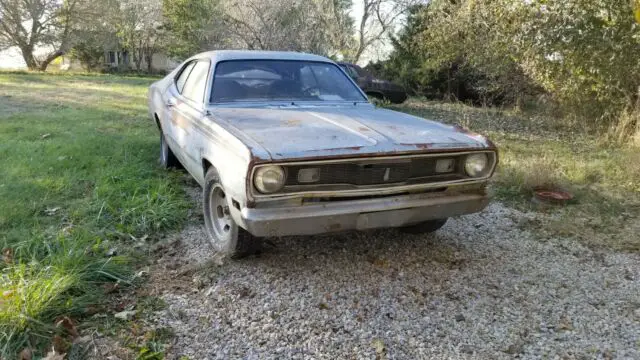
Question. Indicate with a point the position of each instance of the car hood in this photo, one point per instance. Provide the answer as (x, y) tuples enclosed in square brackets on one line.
[(289, 133)]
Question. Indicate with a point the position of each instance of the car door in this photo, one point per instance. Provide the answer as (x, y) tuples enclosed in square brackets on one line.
[(187, 114), (170, 125)]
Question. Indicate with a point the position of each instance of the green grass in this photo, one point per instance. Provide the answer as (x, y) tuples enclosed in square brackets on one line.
[(539, 150), (78, 175)]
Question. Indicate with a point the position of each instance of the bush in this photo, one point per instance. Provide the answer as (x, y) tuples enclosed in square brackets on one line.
[(583, 53)]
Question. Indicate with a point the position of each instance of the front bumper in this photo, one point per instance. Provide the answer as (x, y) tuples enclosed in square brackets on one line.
[(392, 211)]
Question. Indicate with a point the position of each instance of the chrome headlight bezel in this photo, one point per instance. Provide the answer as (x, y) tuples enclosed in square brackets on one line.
[(269, 179), (478, 165)]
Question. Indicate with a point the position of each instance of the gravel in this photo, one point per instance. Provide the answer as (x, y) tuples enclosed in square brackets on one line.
[(484, 286)]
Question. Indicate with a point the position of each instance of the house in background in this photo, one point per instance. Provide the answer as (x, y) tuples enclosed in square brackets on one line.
[(121, 59), (11, 59)]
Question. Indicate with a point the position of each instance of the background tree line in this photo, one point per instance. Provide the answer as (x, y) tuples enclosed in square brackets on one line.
[(179, 28), (581, 56)]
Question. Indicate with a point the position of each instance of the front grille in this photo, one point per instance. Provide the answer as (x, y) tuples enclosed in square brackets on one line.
[(413, 170)]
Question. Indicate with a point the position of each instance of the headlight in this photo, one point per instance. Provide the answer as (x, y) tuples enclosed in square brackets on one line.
[(476, 165), (269, 179)]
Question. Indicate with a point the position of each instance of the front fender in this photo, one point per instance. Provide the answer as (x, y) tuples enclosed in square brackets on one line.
[(230, 157)]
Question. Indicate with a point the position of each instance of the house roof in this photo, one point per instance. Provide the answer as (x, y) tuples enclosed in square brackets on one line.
[(223, 55)]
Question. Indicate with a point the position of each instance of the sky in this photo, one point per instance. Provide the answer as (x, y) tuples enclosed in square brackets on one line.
[(379, 52), (11, 59)]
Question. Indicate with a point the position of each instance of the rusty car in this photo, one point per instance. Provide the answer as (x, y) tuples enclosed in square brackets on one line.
[(373, 86), (285, 143)]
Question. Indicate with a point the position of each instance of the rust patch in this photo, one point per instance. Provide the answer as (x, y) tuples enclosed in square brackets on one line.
[(460, 129), (355, 148), (292, 122), (420, 146), (180, 122), (362, 128)]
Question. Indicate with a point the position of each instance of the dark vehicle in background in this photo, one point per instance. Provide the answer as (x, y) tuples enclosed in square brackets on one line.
[(374, 87)]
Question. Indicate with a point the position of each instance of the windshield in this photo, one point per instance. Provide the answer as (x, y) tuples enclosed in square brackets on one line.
[(281, 80)]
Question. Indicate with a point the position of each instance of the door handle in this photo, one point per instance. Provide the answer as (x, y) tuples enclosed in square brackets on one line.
[(171, 102)]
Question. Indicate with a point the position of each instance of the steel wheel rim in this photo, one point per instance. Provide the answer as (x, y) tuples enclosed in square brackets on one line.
[(221, 221)]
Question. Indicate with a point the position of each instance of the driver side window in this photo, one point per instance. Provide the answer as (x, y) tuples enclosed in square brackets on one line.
[(197, 82), (182, 78)]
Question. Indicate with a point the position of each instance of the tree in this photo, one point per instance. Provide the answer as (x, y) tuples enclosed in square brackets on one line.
[(582, 53), (193, 26), (379, 17), (94, 34), (38, 25), (317, 26), (139, 29)]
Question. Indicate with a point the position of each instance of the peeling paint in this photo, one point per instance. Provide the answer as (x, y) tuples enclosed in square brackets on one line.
[(420, 146)]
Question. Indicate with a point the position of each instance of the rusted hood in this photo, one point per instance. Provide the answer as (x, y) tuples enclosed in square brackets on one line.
[(311, 132)]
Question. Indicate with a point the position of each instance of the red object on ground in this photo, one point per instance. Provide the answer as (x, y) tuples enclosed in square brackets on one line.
[(553, 196)]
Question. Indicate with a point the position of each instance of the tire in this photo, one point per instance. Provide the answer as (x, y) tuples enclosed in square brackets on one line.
[(398, 98), (376, 96), (424, 227), (167, 157), (226, 237)]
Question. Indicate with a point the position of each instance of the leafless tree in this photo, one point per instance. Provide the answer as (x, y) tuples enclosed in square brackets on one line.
[(378, 19), (139, 29), (38, 26), (317, 26)]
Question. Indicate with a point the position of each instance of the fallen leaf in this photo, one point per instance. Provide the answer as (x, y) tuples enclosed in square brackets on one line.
[(51, 211), (565, 323), (379, 262), (68, 325), (125, 315), (110, 287), (52, 355), (25, 354), (7, 255), (323, 306), (381, 350), (91, 310), (8, 293), (44, 136), (60, 345)]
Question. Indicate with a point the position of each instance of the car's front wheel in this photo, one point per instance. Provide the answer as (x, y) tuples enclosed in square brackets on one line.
[(424, 227), (225, 235)]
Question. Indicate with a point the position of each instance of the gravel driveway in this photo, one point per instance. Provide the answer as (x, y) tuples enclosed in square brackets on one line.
[(482, 287)]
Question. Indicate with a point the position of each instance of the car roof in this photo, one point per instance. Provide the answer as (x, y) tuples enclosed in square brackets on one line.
[(224, 55)]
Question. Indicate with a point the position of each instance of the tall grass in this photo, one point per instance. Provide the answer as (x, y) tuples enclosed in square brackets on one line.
[(78, 177)]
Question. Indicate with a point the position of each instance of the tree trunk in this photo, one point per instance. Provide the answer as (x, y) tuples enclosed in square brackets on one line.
[(149, 59), (138, 59), (29, 59), (358, 54), (49, 59)]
